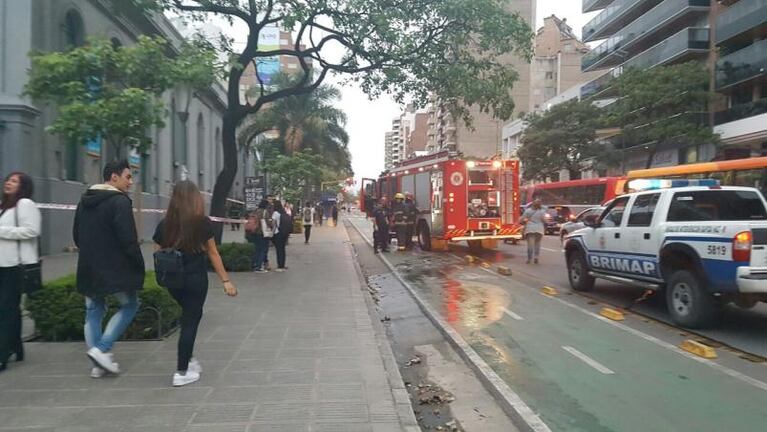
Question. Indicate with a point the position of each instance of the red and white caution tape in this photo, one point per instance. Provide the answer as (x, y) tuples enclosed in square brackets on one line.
[(50, 206)]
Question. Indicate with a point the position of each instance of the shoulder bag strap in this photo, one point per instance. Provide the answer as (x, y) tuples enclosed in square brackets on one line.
[(18, 242)]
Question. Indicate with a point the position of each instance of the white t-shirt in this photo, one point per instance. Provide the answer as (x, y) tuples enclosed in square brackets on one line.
[(28, 231), (303, 219)]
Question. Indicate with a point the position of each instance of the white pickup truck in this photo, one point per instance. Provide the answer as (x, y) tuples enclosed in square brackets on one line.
[(704, 245)]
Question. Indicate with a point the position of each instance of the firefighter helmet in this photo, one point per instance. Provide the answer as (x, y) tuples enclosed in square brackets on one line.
[(399, 195)]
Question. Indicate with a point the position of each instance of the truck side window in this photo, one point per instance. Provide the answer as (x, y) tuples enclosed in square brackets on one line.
[(643, 210), (614, 214)]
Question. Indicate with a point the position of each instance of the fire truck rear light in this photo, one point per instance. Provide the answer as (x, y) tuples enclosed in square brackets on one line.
[(452, 200), (741, 246), (497, 164), (451, 194)]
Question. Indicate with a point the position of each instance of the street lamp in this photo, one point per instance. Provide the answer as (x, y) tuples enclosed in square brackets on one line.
[(184, 97)]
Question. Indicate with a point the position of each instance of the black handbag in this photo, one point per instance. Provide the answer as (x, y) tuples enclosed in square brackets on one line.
[(169, 268), (31, 274)]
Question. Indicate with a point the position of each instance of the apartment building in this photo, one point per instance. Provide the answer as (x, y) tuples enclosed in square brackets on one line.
[(741, 77), (644, 34)]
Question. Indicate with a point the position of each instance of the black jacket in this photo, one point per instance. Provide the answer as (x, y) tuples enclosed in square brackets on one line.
[(110, 258)]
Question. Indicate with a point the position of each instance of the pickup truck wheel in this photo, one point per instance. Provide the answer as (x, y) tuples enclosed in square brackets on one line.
[(688, 302), (578, 272)]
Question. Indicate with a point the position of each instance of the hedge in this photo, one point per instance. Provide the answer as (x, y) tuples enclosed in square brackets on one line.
[(237, 257), (59, 311)]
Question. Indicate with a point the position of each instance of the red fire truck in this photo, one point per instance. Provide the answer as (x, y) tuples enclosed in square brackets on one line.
[(457, 199)]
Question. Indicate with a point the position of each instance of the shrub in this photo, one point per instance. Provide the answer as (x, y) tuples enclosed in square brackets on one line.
[(59, 311), (237, 257)]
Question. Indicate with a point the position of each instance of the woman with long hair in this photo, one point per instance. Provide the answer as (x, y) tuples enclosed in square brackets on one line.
[(534, 220), (19, 230), (187, 229)]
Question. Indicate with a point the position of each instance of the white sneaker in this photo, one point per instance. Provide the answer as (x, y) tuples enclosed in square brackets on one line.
[(194, 366), (97, 372), (103, 360), (182, 380)]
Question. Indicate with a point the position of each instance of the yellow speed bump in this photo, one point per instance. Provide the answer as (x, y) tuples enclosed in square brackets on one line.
[(504, 270), (613, 314), (549, 291), (699, 349), (486, 265), (470, 259)]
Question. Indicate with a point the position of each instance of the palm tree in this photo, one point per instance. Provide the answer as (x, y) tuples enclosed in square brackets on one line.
[(304, 122)]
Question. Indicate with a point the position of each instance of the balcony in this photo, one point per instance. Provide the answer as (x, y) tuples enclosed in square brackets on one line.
[(655, 22), (739, 112), (742, 65), (618, 14), (594, 5), (740, 17), (685, 45), (599, 86)]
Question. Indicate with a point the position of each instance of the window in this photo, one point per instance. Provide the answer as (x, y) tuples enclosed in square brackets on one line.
[(74, 32), (590, 212), (574, 195), (643, 210), (716, 205), (201, 152), (549, 75), (614, 214)]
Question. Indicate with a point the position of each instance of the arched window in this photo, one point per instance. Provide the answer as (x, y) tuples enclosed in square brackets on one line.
[(201, 152), (74, 30)]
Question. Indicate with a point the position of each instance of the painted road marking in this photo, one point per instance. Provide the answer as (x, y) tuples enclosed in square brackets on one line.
[(512, 314), (588, 360), (552, 250)]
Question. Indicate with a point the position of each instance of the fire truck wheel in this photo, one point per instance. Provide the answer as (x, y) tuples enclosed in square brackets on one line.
[(424, 236)]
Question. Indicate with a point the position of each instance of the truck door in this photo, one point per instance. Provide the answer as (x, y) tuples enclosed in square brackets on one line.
[(604, 243), (368, 196), (642, 241)]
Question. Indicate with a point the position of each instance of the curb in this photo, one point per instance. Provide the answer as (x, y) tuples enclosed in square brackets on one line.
[(521, 414), (401, 396)]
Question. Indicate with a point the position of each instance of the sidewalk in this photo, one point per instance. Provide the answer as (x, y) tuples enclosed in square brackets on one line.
[(295, 351)]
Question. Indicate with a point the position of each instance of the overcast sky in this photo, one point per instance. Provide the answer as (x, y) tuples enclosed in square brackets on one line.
[(369, 120)]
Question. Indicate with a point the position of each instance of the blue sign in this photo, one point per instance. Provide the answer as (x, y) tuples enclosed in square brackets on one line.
[(93, 147), (267, 68)]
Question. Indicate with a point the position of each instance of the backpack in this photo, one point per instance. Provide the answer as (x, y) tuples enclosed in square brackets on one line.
[(286, 224), (253, 225), (308, 215)]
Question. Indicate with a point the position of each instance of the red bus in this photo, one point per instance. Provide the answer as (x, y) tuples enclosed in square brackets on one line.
[(458, 199), (575, 196)]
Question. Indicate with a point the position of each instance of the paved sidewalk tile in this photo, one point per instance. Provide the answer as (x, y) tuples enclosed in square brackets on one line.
[(296, 351)]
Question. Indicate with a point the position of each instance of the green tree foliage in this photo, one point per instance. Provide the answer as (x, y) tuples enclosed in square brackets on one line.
[(292, 175), (661, 107), (562, 138), (114, 93), (452, 49)]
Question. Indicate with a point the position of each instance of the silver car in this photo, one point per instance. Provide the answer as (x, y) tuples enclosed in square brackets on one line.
[(576, 222)]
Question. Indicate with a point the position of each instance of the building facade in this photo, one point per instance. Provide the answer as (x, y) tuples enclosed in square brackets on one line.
[(741, 77), (483, 138), (189, 146), (644, 34)]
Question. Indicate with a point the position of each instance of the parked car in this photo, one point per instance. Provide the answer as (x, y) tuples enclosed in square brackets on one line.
[(576, 222)]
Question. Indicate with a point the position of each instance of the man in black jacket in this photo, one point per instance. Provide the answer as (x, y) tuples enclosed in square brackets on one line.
[(110, 262)]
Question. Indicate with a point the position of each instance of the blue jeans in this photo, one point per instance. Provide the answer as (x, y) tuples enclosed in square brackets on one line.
[(261, 248), (533, 245), (96, 308)]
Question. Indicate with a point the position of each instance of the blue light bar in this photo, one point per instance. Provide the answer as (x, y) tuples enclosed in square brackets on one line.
[(653, 184)]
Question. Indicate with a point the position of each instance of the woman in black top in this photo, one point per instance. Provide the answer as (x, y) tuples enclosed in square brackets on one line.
[(281, 233), (187, 229)]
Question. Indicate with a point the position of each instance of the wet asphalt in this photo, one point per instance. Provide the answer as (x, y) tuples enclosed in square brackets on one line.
[(581, 372)]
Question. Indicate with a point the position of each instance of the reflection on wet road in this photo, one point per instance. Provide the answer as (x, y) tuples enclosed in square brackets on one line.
[(579, 372)]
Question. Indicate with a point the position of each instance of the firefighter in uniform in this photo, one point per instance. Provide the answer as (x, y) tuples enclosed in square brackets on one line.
[(411, 214), (381, 226), (399, 217)]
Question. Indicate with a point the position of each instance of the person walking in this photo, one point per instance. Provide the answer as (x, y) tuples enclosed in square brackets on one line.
[(187, 230), (334, 215), (19, 231), (381, 227), (110, 262), (308, 215), (282, 229), (319, 214), (534, 221)]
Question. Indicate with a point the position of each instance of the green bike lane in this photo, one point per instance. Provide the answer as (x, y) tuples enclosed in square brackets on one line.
[(577, 372)]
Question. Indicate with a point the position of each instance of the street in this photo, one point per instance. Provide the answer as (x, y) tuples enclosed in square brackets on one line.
[(577, 370)]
